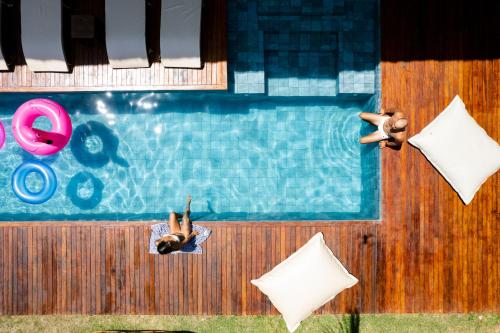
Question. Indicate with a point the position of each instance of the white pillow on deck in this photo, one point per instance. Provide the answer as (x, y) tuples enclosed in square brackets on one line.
[(459, 149), (306, 280)]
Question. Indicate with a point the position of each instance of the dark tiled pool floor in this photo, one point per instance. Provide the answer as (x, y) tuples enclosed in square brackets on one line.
[(303, 48)]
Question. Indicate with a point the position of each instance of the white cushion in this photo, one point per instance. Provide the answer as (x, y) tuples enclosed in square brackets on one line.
[(306, 280), (126, 33), (459, 149), (3, 63), (180, 31), (41, 35)]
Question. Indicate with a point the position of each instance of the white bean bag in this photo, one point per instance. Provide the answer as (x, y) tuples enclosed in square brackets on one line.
[(459, 149), (305, 281)]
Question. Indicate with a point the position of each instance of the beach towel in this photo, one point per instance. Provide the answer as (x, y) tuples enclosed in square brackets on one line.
[(194, 245)]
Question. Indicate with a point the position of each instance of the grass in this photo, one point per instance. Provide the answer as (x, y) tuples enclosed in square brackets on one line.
[(387, 323)]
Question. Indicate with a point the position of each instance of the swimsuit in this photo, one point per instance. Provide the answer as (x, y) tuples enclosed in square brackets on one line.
[(383, 134), (178, 238)]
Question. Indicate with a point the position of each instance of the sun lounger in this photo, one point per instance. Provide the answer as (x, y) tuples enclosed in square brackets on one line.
[(41, 35), (3, 63), (180, 33), (126, 33)]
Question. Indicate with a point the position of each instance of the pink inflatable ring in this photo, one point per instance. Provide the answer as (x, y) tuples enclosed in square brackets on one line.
[(37, 141), (2, 135)]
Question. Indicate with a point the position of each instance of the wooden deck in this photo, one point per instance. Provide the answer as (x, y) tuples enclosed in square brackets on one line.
[(88, 60), (430, 253)]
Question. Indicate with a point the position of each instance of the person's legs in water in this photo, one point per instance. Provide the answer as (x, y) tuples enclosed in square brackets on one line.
[(374, 137), (372, 118), (187, 225)]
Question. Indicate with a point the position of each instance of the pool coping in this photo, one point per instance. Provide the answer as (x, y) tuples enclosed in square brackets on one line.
[(207, 223)]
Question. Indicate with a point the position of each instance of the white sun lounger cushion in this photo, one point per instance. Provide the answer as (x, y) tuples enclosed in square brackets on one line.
[(126, 33), (180, 33), (459, 149), (309, 278), (3, 63), (41, 35)]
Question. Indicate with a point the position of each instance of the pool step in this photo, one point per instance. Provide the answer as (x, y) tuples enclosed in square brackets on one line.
[(301, 63), (296, 48), (301, 73), (301, 7), (247, 60), (356, 63), (357, 47)]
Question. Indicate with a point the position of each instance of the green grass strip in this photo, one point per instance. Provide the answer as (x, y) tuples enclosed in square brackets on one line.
[(386, 323)]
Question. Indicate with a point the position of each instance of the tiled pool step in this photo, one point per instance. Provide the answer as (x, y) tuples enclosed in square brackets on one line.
[(301, 73), (303, 48), (301, 63), (301, 7), (247, 52)]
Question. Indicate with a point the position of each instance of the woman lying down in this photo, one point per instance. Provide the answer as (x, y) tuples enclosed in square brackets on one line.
[(180, 234)]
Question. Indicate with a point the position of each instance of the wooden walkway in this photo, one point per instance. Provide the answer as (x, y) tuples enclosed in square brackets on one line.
[(105, 268), (430, 253), (434, 253), (89, 63)]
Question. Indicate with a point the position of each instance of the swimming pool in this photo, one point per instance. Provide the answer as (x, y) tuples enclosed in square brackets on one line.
[(281, 144), (136, 156)]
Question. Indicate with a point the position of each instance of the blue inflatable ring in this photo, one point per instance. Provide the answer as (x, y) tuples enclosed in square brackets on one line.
[(19, 182)]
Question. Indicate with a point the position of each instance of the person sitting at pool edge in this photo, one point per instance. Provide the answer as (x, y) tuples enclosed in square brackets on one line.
[(179, 235), (391, 130)]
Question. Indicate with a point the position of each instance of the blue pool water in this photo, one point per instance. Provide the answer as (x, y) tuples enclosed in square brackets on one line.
[(281, 144)]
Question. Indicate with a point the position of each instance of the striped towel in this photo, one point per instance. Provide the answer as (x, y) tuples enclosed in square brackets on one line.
[(194, 245)]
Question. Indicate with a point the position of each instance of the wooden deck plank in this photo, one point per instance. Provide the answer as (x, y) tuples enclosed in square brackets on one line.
[(2, 276), (446, 239), (345, 239)]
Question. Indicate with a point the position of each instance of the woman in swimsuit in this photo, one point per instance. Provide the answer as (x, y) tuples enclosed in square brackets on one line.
[(391, 130), (179, 235)]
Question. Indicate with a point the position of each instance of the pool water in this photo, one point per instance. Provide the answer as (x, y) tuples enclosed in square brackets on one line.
[(136, 156), (281, 144)]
